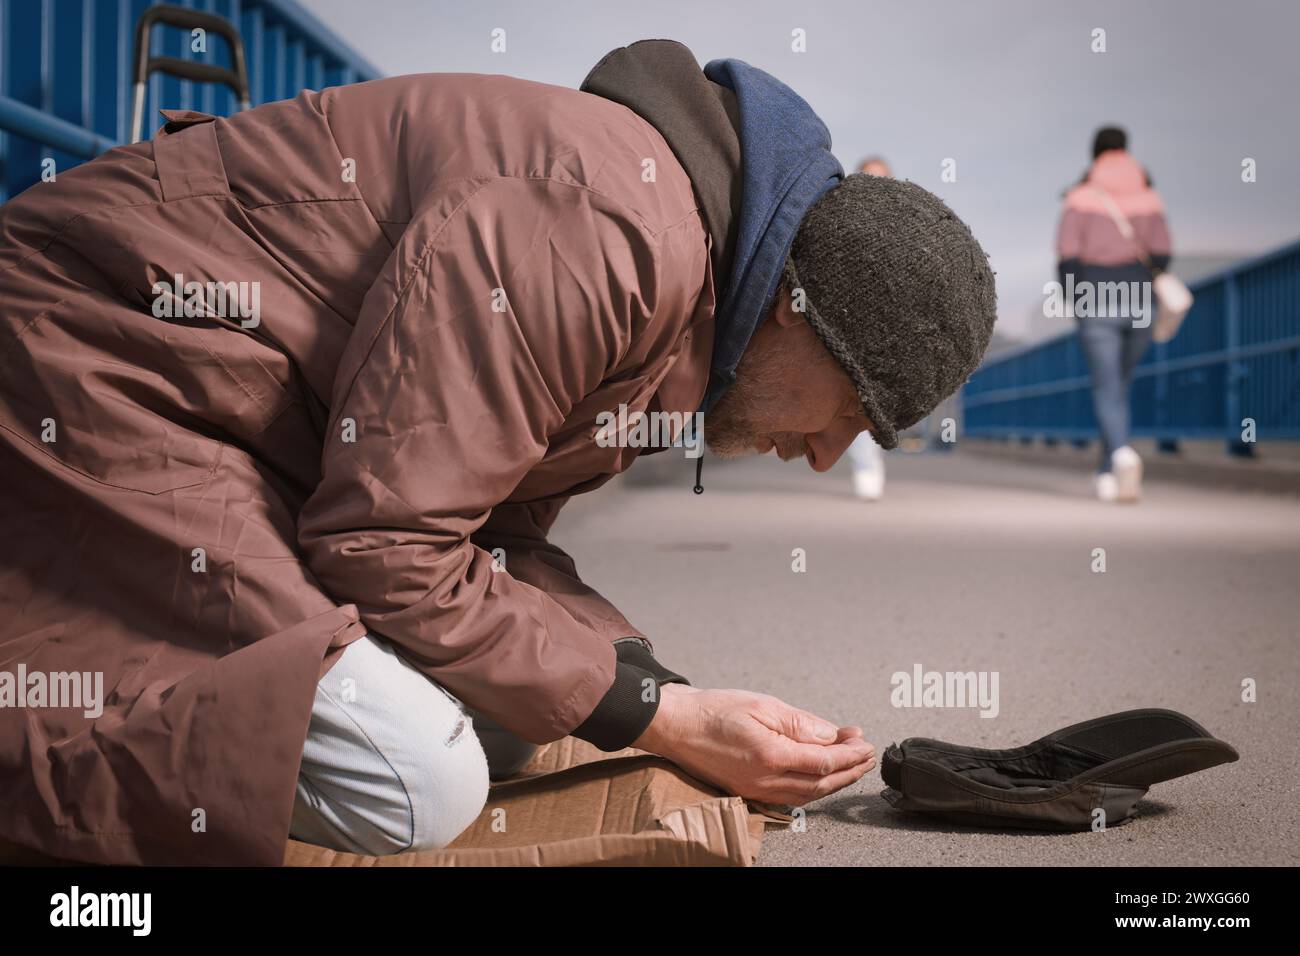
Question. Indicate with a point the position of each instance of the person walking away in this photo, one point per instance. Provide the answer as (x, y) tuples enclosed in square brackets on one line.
[(1110, 292)]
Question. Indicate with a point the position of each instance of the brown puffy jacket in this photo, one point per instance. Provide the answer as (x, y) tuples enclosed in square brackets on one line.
[(456, 275)]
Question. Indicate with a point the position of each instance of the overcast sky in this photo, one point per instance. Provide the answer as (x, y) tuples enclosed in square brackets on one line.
[(1010, 89)]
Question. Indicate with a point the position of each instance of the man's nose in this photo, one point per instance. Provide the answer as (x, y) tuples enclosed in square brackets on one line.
[(825, 447)]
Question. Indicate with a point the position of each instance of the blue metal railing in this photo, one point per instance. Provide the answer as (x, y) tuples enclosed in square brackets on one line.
[(1237, 356), (65, 73)]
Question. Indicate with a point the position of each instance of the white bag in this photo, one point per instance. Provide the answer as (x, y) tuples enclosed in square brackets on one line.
[(1175, 302), (1172, 295)]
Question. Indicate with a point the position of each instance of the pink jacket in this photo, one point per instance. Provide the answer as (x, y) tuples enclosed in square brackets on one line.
[(1090, 245)]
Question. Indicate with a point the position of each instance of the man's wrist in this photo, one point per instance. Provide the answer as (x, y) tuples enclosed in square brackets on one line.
[(662, 730), (630, 706)]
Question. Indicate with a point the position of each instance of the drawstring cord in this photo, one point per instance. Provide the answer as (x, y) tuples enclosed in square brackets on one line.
[(699, 471)]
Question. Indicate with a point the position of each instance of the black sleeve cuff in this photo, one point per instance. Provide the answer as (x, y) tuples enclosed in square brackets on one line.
[(623, 714)]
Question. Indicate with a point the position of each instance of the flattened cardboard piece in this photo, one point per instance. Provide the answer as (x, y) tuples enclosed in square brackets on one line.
[(575, 805), (572, 805), (571, 751)]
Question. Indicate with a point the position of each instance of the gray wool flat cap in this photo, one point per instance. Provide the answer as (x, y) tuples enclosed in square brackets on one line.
[(900, 292)]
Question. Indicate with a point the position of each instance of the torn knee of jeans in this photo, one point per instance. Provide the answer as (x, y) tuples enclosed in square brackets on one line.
[(458, 731)]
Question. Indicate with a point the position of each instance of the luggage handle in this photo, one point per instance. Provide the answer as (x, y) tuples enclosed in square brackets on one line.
[(235, 78)]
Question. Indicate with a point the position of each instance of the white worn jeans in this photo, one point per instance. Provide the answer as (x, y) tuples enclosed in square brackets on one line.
[(393, 761)]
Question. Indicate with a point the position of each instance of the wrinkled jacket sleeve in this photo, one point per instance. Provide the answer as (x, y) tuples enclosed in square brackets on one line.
[(443, 404), (516, 536)]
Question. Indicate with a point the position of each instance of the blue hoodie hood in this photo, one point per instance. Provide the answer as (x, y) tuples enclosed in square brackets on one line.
[(787, 166)]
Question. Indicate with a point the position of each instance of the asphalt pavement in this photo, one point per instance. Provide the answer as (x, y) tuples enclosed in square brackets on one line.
[(971, 563)]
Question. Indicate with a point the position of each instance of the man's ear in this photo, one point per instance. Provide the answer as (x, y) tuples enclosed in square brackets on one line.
[(783, 306), (787, 289)]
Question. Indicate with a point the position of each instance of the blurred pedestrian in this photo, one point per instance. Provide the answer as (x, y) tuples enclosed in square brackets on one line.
[(865, 456), (1108, 287)]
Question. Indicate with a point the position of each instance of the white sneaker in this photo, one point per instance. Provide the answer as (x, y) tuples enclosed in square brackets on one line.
[(1127, 466), (869, 484), (1106, 485)]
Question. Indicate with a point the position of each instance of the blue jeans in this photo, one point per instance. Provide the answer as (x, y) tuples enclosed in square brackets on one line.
[(1113, 348)]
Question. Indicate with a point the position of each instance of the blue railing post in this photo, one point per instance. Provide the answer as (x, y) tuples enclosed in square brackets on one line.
[(1164, 443), (1236, 370)]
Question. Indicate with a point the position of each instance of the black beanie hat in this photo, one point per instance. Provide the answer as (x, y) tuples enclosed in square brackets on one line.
[(898, 290)]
